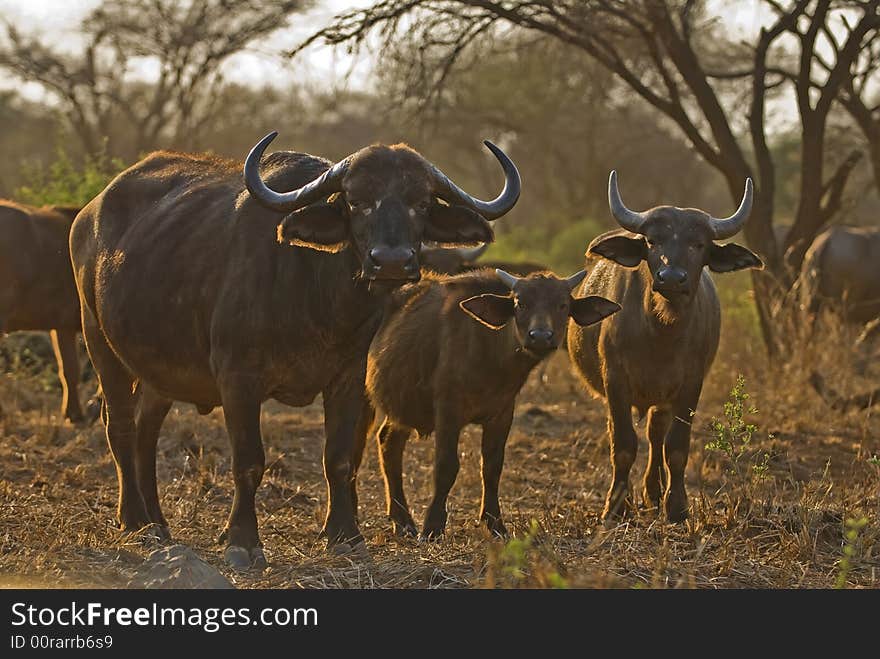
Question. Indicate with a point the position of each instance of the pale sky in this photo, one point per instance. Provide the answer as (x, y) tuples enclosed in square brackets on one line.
[(258, 66), (261, 65)]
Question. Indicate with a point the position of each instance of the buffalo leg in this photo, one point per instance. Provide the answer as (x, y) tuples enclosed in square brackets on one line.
[(118, 413), (343, 407), (151, 412), (445, 472), (365, 422), (392, 442), (675, 454), (655, 474), (64, 345), (624, 444), (495, 433), (241, 407)]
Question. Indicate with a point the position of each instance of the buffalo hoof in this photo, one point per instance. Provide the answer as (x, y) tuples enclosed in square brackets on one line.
[(241, 560), (354, 551), (676, 515), (404, 529), (498, 529), (431, 535), (147, 534)]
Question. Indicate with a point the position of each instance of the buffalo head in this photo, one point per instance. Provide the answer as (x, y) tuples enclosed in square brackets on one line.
[(676, 243), (383, 201), (540, 306)]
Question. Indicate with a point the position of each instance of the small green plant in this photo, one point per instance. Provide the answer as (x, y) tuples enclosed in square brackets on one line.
[(66, 183), (850, 537), (733, 434), (520, 562), (874, 460)]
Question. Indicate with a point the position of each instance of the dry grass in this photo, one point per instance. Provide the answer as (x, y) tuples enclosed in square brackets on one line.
[(58, 492)]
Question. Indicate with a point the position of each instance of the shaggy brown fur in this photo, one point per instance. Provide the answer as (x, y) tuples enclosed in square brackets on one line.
[(446, 356)]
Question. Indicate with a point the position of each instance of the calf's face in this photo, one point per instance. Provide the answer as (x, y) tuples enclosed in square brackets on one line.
[(539, 306)]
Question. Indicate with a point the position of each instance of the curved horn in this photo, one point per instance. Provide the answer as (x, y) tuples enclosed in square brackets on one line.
[(471, 254), (507, 279), (626, 218), (323, 186), (491, 210), (575, 279), (730, 226)]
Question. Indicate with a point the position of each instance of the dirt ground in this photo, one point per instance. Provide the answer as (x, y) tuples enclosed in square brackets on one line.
[(776, 517)]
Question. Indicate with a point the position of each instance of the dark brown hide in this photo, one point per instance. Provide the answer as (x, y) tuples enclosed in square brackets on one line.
[(38, 291), (454, 351), (194, 290), (655, 353)]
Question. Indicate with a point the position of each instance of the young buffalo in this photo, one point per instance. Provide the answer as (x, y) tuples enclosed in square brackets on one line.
[(448, 355), (654, 354)]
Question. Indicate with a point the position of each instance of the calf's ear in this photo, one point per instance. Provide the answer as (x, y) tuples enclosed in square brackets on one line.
[(457, 225), (589, 310), (319, 226), (626, 251), (491, 310), (731, 257)]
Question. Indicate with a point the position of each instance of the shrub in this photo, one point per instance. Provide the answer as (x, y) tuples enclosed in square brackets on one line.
[(65, 183)]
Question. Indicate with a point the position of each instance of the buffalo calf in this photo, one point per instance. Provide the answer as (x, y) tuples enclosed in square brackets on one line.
[(654, 354), (457, 350)]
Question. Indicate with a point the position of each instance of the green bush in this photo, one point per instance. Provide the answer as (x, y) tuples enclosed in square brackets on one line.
[(66, 183), (560, 250)]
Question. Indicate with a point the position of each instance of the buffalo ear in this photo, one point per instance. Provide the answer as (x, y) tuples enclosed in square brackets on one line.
[(589, 310), (457, 225), (491, 310), (319, 226), (626, 251), (732, 257)]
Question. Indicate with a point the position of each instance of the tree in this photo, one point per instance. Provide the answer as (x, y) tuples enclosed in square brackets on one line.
[(674, 56), (186, 41)]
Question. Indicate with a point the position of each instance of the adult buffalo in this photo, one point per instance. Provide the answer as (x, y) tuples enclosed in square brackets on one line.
[(842, 267), (38, 291), (194, 289), (655, 352)]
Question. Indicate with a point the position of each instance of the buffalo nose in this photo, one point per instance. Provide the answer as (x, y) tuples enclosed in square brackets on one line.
[(393, 263), (673, 276), (541, 336)]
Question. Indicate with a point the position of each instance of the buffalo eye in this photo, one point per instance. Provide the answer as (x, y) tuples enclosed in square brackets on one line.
[(358, 206), (563, 306), (521, 306), (698, 246), (423, 206)]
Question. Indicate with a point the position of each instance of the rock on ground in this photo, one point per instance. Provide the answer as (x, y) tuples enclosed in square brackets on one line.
[(177, 566)]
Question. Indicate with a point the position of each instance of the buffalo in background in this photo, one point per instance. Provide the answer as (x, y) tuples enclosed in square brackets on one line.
[(38, 291)]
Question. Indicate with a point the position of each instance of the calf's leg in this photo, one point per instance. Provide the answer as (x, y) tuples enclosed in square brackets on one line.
[(495, 433), (392, 442), (64, 345), (446, 433)]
